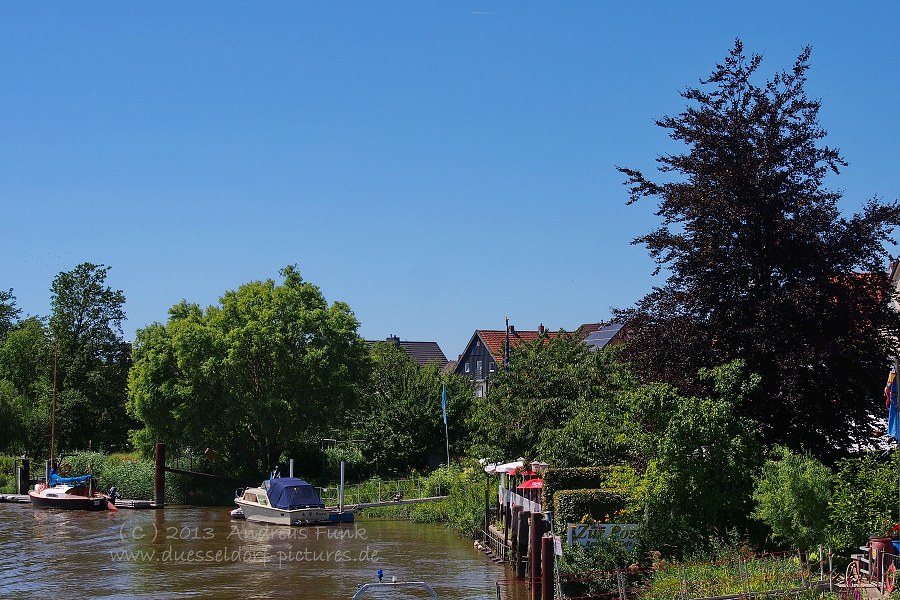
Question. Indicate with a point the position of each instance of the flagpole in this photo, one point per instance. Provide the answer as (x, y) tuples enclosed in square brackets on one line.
[(446, 429)]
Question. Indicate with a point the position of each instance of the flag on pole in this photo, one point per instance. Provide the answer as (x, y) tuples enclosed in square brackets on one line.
[(891, 396), (444, 402)]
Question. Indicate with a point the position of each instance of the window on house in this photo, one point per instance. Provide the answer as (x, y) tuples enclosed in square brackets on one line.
[(478, 368), (467, 367)]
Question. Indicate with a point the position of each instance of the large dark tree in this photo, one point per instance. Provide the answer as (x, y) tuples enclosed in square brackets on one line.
[(761, 263)]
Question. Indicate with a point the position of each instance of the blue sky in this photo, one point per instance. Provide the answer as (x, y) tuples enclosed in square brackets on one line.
[(436, 165)]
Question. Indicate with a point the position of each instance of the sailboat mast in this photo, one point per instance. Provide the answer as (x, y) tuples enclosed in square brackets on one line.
[(53, 404)]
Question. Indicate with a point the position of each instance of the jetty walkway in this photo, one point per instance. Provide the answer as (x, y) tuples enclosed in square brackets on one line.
[(120, 502)]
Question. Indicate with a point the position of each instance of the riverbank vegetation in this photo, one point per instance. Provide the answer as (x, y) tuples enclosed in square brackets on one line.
[(741, 403)]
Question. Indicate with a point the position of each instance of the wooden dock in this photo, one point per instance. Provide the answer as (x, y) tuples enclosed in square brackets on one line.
[(20, 498), (120, 502), (131, 503)]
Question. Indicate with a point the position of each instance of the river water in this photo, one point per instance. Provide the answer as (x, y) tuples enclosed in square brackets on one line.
[(186, 552)]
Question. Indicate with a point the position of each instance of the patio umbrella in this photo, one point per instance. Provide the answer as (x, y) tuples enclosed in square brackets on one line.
[(531, 484)]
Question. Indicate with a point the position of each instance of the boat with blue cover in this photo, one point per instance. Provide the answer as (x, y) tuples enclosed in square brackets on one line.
[(69, 493), (283, 501)]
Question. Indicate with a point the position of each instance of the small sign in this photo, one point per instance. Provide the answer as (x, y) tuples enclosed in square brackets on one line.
[(587, 534), (557, 545)]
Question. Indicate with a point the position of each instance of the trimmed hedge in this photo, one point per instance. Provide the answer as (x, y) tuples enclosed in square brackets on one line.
[(623, 479), (577, 506)]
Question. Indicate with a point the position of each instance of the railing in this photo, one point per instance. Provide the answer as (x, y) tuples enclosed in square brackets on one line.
[(510, 497), (381, 491), (495, 544)]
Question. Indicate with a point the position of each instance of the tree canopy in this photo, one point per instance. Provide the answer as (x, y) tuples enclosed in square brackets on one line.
[(93, 359), (400, 422), (276, 365), (761, 265)]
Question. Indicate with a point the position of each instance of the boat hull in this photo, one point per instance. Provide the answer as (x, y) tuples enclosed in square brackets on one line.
[(278, 516), (68, 501)]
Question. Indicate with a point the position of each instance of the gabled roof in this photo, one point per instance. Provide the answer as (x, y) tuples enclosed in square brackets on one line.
[(421, 352), (495, 339), (587, 329)]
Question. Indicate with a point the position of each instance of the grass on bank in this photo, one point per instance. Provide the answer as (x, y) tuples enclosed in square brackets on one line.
[(132, 477)]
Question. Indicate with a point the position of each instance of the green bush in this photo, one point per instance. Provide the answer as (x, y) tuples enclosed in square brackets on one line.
[(792, 495), (135, 479), (616, 477), (863, 499), (7, 474)]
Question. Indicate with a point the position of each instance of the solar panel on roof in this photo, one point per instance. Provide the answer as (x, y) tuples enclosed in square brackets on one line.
[(602, 337)]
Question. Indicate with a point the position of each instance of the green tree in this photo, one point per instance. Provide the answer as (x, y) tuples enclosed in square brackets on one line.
[(9, 314), (607, 424), (700, 482), (93, 359), (26, 367), (548, 379), (761, 264), (401, 420), (267, 373), (792, 495)]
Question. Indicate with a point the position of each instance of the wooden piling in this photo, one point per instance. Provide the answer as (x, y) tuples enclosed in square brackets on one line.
[(514, 530), (507, 517), (159, 481), (522, 543), (534, 554), (548, 584), (23, 479)]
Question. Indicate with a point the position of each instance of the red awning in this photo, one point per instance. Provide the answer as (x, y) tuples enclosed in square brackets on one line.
[(531, 484), (519, 471)]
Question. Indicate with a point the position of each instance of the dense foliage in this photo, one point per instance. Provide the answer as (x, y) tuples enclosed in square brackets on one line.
[(278, 367), (792, 495), (83, 337), (400, 420), (93, 359), (761, 265), (864, 499)]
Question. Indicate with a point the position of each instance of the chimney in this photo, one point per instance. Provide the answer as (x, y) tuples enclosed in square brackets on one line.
[(541, 329), (512, 329), (393, 338)]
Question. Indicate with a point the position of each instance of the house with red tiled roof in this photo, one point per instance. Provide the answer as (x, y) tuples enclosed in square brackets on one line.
[(484, 354)]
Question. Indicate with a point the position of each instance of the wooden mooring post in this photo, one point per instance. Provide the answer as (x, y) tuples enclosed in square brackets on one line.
[(534, 554), (522, 536), (159, 480), (548, 581), (514, 531), (23, 476)]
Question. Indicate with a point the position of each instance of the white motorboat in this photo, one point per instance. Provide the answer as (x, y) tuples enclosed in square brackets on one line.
[(283, 501)]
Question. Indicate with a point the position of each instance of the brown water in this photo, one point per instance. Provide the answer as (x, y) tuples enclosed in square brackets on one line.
[(183, 552)]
